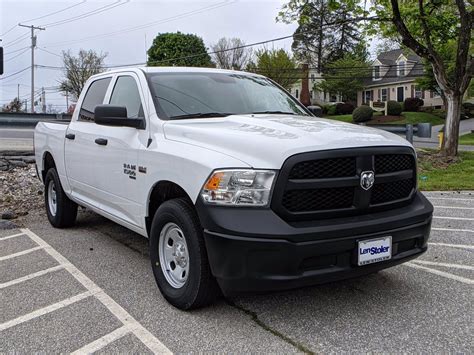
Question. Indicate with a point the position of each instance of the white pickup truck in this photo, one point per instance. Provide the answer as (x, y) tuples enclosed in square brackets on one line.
[(237, 186)]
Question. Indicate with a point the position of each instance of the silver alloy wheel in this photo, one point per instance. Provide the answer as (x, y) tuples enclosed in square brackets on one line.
[(52, 198), (174, 255)]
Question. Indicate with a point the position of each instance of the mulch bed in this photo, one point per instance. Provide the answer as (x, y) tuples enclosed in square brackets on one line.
[(384, 119)]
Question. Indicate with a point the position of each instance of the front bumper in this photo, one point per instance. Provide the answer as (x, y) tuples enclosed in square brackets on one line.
[(254, 250)]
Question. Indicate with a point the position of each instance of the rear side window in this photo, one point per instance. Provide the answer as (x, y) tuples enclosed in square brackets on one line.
[(126, 94), (94, 96)]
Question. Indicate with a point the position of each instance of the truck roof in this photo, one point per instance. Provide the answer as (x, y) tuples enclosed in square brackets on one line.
[(173, 70)]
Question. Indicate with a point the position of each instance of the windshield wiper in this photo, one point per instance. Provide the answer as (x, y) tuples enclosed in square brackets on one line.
[(273, 112), (201, 115)]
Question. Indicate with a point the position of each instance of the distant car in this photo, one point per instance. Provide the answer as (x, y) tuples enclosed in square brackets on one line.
[(238, 187)]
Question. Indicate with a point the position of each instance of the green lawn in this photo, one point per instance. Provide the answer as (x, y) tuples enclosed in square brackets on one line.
[(439, 173), (407, 117), (419, 117), (467, 139)]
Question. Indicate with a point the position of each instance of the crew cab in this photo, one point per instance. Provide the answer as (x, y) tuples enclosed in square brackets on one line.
[(238, 187)]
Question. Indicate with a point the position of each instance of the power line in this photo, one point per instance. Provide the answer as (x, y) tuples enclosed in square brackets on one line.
[(87, 14), (52, 53), (16, 50), (55, 12), (15, 56), (16, 73), (143, 26)]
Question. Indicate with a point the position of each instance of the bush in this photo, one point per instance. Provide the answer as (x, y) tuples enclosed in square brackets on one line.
[(394, 108), (412, 104), (344, 108), (331, 110), (467, 110), (428, 109), (362, 114)]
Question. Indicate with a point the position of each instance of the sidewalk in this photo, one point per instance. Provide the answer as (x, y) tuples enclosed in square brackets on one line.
[(16, 144), (465, 127)]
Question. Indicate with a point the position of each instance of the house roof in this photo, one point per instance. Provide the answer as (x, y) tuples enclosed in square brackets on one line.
[(389, 59)]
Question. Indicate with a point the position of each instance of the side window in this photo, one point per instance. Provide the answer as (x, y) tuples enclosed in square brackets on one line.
[(126, 94), (94, 96)]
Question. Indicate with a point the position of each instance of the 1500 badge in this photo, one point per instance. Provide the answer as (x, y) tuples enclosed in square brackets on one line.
[(130, 170)]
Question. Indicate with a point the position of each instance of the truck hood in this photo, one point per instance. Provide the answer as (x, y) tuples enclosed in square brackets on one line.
[(266, 141)]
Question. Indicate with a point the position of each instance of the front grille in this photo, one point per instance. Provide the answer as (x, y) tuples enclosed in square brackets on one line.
[(327, 184), (391, 191), (324, 168), (388, 163), (318, 199)]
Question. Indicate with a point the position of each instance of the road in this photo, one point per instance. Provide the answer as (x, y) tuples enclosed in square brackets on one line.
[(16, 133), (90, 288)]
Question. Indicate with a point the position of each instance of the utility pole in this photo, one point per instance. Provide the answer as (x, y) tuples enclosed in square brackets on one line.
[(18, 92), (33, 45), (43, 100), (67, 100)]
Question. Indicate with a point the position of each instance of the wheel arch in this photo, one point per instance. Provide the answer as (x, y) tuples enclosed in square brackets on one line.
[(162, 191), (47, 163)]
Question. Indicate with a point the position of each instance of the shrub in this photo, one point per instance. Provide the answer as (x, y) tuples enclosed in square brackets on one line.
[(362, 114), (428, 109), (394, 108), (412, 104), (344, 108), (467, 110), (331, 110)]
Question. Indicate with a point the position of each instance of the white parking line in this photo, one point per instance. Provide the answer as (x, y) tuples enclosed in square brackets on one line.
[(118, 311), (12, 236), (441, 273), (20, 253), (460, 246), (455, 218), (454, 266), (450, 198), (452, 230), (455, 207), (103, 342), (45, 310), (30, 276)]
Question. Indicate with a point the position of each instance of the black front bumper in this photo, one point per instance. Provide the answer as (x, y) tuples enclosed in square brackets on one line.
[(254, 250)]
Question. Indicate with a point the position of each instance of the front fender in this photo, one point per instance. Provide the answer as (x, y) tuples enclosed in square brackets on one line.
[(183, 164)]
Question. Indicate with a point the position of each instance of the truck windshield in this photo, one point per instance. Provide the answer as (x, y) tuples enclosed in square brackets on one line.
[(198, 95)]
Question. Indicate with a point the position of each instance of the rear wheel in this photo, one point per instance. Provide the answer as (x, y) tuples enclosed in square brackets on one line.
[(60, 209), (179, 257)]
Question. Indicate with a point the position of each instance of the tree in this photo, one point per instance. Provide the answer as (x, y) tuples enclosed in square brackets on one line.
[(178, 49), (79, 69), (230, 53), (312, 42), (277, 65), (344, 77), (14, 106), (426, 27)]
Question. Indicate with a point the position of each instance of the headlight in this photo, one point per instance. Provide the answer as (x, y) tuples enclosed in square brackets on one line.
[(239, 187)]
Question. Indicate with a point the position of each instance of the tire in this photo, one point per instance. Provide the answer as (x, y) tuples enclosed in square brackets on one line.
[(61, 210), (176, 223)]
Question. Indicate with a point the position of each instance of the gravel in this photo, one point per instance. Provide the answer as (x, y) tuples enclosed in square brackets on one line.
[(20, 193)]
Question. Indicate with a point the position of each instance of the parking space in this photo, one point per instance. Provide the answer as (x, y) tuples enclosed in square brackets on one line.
[(90, 289)]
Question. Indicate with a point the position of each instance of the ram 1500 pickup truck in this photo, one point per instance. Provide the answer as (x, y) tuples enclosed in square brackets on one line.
[(238, 187)]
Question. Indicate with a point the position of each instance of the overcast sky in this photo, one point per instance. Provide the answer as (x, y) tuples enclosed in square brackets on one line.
[(252, 21)]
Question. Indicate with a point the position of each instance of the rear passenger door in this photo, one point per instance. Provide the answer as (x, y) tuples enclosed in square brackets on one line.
[(80, 151)]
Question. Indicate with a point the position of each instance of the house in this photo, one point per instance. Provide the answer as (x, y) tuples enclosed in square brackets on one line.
[(393, 79), (316, 97)]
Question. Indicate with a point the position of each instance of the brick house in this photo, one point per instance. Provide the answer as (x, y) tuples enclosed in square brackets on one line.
[(393, 78)]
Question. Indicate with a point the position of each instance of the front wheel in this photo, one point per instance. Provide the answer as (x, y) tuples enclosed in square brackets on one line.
[(60, 209), (179, 258)]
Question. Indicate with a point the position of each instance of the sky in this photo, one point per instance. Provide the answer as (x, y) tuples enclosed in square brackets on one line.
[(71, 29)]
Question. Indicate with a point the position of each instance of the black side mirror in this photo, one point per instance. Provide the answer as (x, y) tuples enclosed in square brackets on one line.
[(110, 115)]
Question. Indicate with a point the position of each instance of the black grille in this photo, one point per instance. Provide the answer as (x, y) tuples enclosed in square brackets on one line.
[(319, 199), (391, 191), (389, 163), (324, 168), (327, 184)]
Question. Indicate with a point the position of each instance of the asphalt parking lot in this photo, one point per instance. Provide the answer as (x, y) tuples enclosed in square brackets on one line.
[(90, 289)]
